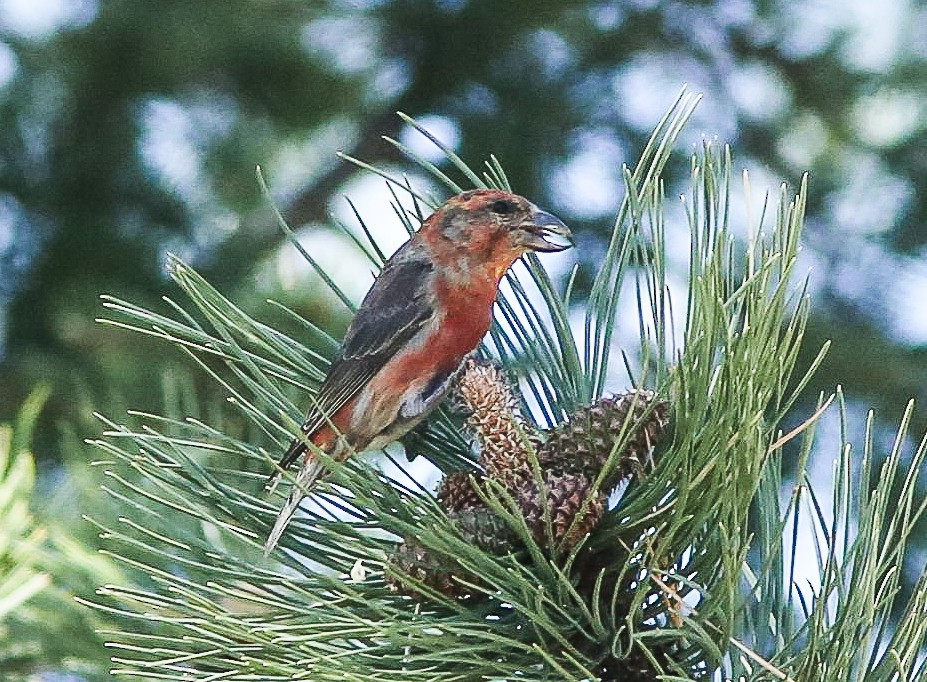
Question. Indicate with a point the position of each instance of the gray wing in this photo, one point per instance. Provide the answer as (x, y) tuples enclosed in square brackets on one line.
[(393, 311)]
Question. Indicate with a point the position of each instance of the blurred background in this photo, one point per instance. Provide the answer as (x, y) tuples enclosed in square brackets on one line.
[(130, 130)]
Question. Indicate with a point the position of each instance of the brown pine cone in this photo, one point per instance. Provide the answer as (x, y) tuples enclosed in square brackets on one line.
[(573, 506), (485, 529), (456, 491), (478, 527), (583, 444)]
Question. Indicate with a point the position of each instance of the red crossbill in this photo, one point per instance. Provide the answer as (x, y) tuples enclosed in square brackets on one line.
[(427, 311)]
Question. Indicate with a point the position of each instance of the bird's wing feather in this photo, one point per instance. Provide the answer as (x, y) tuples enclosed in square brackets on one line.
[(394, 310)]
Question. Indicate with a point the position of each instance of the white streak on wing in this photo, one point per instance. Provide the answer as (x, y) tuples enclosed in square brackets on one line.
[(420, 403)]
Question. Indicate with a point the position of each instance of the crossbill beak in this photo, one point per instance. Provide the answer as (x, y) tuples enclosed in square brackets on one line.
[(545, 232)]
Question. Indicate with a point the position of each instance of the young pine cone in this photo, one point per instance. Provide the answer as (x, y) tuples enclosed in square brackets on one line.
[(476, 522), (583, 444), (479, 527), (414, 560), (494, 417)]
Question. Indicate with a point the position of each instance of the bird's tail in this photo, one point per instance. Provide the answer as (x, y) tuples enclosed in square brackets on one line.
[(296, 450), (305, 479)]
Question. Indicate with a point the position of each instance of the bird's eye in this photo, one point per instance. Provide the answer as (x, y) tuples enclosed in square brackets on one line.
[(502, 207)]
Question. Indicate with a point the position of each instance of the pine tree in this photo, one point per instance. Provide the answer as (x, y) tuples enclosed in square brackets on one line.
[(577, 535)]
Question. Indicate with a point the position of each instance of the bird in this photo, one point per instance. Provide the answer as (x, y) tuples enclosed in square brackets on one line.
[(426, 313)]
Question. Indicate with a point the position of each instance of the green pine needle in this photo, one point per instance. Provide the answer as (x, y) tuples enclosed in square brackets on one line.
[(677, 579)]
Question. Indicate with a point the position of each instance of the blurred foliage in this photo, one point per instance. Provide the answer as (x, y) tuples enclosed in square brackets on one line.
[(20, 579), (43, 567)]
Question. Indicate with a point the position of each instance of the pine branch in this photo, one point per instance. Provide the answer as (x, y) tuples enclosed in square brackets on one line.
[(666, 582)]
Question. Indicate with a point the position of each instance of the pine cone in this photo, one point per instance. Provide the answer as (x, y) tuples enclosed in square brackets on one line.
[(573, 506), (494, 416), (413, 559), (583, 444), (486, 530), (571, 459), (456, 491), (478, 527), (476, 522)]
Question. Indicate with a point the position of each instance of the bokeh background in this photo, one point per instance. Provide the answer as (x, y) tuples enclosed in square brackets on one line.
[(130, 130)]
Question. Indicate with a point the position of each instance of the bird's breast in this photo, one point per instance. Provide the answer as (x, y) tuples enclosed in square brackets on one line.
[(413, 382), (439, 350)]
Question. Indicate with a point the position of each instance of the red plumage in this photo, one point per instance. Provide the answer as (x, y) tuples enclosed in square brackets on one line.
[(427, 311)]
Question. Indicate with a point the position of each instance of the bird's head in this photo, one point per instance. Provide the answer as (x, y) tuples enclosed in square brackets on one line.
[(494, 227)]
